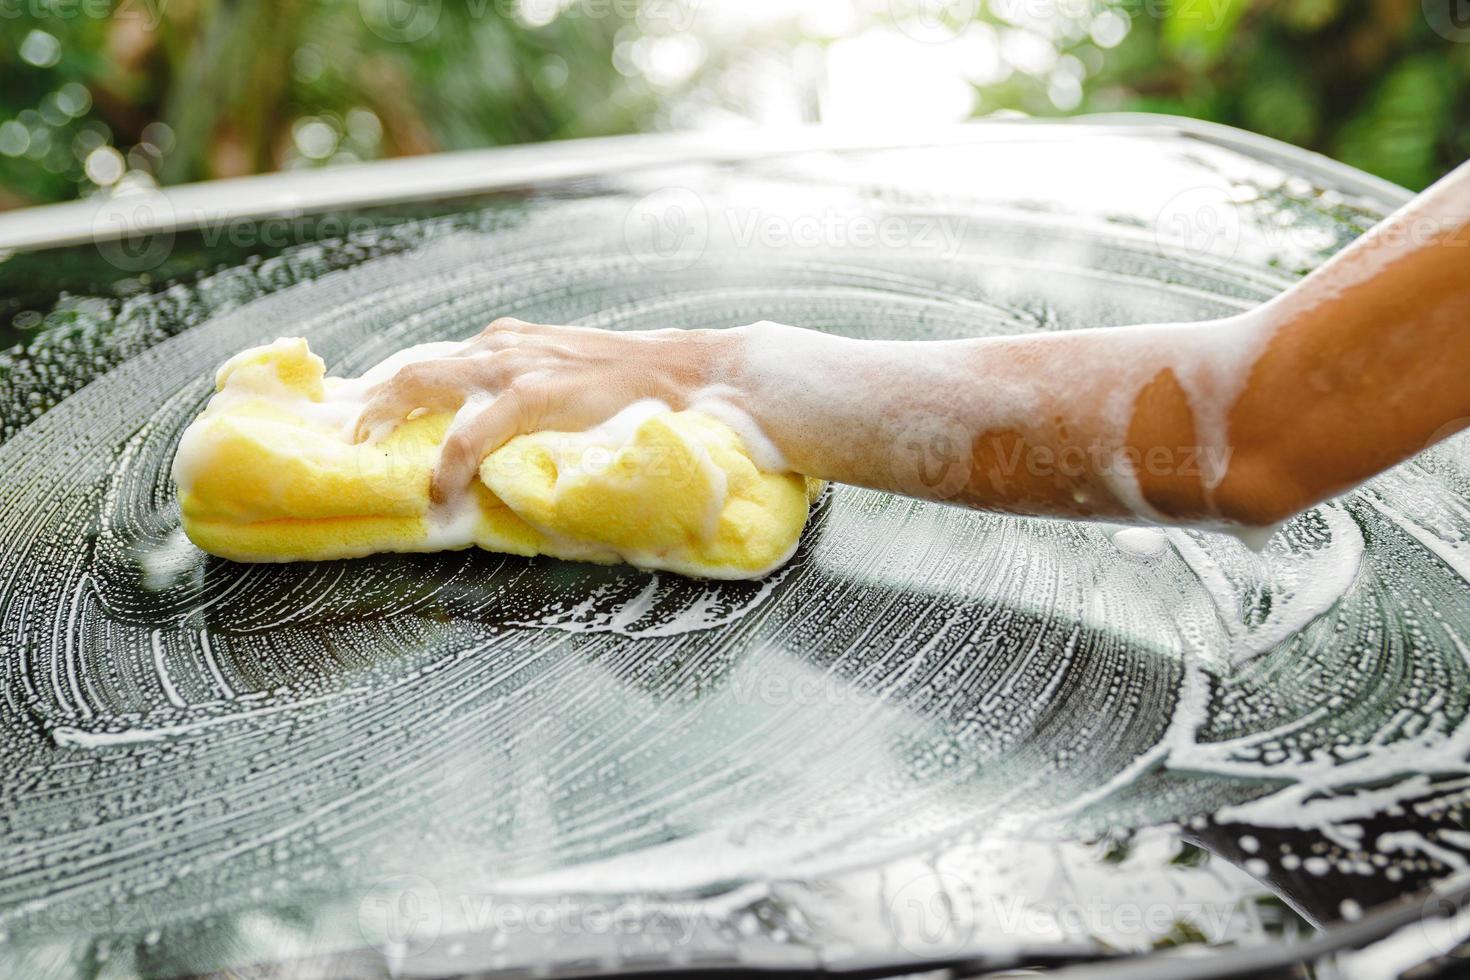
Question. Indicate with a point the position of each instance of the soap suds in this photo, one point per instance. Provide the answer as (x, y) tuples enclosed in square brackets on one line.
[(969, 627), (715, 403), (641, 487), (1141, 542), (872, 391)]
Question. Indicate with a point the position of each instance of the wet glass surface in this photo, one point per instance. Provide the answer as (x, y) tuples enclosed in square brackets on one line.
[(933, 729)]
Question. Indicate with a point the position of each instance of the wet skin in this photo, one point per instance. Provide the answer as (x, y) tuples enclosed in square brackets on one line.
[(1354, 369)]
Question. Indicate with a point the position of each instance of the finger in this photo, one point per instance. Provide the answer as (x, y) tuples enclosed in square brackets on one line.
[(483, 425), (378, 417), (438, 385), (492, 342), (509, 331), (505, 327)]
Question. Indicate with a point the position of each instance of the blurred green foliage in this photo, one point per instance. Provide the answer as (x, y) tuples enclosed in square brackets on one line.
[(242, 86), (1370, 83), (93, 92)]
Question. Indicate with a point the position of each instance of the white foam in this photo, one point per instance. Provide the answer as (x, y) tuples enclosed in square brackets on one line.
[(838, 392), (1141, 542), (1303, 588), (452, 523), (715, 402)]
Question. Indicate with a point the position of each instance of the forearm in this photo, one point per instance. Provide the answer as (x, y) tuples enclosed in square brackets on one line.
[(1243, 421), (1367, 360), (1040, 424)]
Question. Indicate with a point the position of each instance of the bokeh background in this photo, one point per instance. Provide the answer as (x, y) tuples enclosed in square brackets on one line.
[(98, 93)]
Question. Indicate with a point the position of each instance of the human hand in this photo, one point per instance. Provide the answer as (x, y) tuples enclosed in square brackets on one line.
[(516, 377)]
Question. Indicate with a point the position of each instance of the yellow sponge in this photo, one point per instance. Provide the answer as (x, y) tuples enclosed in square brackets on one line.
[(269, 473)]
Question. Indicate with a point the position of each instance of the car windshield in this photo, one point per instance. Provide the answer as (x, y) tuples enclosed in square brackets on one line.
[(936, 737)]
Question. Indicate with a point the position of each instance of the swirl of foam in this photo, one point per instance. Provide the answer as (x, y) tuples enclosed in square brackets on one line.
[(917, 670)]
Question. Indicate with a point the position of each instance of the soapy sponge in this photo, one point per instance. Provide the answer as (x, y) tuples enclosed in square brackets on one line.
[(268, 473)]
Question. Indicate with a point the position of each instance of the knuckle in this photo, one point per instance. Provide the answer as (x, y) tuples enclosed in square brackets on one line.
[(491, 344), (529, 401), (416, 374), (394, 392), (528, 395), (380, 403), (390, 400), (453, 447), (495, 365)]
